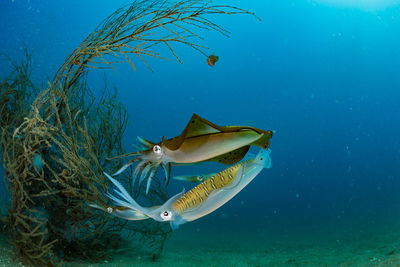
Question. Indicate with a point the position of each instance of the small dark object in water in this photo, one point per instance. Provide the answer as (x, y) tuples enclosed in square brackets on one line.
[(391, 253), (154, 257), (291, 261), (212, 59)]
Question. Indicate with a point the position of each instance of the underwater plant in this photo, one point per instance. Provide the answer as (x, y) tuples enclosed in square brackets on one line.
[(49, 175), (55, 141), (4, 218)]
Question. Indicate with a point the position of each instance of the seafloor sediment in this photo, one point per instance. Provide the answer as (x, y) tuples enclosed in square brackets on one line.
[(202, 248)]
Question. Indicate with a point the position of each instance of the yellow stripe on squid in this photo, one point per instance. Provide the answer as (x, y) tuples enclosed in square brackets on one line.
[(199, 194)]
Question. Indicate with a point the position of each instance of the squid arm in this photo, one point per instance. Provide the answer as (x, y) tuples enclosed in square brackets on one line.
[(122, 212)]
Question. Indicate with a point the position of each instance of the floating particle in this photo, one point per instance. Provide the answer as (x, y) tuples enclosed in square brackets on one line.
[(212, 59)]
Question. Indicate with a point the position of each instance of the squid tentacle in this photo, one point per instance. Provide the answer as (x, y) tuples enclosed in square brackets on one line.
[(151, 175), (167, 171), (138, 169), (137, 153), (120, 189), (123, 168), (145, 172), (148, 185)]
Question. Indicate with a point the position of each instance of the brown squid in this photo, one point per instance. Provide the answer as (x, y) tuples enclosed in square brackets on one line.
[(200, 141)]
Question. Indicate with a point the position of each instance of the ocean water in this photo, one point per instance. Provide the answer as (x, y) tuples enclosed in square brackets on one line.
[(324, 75)]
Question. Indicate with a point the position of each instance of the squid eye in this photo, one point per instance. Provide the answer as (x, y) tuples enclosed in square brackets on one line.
[(166, 215), (157, 149)]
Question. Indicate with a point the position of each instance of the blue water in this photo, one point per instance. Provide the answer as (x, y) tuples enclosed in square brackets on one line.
[(324, 77)]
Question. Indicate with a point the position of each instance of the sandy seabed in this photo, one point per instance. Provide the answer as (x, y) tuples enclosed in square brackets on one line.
[(253, 249)]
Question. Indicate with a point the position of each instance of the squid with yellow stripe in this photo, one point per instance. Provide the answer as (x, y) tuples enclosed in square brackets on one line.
[(203, 199)]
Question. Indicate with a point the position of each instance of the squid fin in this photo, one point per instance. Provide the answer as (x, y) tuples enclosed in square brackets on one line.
[(199, 126), (264, 141), (231, 157)]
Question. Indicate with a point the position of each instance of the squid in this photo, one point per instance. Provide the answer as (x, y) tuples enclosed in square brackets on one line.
[(203, 199), (194, 178), (200, 141)]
